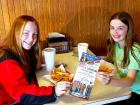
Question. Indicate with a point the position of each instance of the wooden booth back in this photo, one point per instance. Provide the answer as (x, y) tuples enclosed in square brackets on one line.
[(81, 20)]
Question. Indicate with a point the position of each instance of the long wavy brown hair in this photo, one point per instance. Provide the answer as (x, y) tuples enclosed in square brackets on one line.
[(129, 39), (13, 43)]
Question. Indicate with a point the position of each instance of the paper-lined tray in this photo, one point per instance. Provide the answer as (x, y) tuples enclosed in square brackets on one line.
[(48, 77)]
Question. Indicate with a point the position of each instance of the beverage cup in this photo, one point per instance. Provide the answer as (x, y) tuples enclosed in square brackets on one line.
[(49, 57), (75, 51), (82, 47)]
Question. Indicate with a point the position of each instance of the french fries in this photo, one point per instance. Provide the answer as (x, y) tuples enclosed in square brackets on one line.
[(60, 75)]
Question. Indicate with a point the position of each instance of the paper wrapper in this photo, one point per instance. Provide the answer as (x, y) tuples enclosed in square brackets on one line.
[(58, 75), (106, 67)]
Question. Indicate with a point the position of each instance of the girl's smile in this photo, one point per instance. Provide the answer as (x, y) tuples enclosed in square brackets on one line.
[(118, 31), (29, 35)]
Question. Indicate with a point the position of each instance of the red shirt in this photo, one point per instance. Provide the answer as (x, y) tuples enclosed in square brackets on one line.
[(14, 86)]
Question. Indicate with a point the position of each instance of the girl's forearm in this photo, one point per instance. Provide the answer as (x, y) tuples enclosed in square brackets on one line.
[(126, 82)]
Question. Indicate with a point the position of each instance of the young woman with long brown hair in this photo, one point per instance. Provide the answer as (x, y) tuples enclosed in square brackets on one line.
[(124, 52)]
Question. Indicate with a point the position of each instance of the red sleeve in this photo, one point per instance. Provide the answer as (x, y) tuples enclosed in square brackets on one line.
[(14, 81)]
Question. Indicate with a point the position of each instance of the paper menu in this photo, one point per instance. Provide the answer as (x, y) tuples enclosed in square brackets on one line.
[(89, 57), (84, 77)]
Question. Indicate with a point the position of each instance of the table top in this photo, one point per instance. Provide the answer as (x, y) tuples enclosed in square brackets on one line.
[(100, 94)]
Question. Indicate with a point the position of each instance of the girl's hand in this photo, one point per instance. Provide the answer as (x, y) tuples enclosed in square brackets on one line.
[(61, 88), (104, 77)]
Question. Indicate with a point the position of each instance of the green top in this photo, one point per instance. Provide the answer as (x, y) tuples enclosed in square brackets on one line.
[(133, 65)]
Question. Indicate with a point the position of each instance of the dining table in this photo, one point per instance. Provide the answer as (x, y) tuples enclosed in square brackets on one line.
[(100, 93)]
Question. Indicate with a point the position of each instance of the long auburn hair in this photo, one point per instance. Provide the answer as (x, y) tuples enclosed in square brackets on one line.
[(13, 43), (129, 39)]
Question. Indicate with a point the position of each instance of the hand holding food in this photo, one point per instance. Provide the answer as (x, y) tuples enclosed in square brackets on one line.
[(105, 72), (103, 77), (63, 79)]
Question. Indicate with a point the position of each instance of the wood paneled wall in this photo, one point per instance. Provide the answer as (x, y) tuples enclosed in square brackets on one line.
[(81, 20)]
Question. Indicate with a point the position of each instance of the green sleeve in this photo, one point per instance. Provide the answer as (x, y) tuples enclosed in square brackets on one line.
[(133, 65)]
